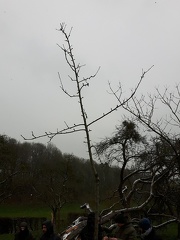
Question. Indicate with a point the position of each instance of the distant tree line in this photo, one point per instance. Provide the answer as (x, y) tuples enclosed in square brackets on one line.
[(36, 172)]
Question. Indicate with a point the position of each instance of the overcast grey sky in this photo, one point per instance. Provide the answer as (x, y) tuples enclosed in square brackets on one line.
[(121, 36)]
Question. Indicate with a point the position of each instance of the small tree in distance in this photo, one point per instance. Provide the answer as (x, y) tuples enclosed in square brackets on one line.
[(84, 126)]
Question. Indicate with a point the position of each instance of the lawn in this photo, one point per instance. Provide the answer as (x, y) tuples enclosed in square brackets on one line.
[(22, 210), (31, 210)]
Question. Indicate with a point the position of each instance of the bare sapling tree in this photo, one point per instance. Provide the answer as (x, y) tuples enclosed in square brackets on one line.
[(84, 126)]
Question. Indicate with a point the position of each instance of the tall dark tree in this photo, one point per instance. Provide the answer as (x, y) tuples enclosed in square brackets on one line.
[(144, 167)]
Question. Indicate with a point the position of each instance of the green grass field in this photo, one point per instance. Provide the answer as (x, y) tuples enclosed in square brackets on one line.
[(21, 210), (32, 210)]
